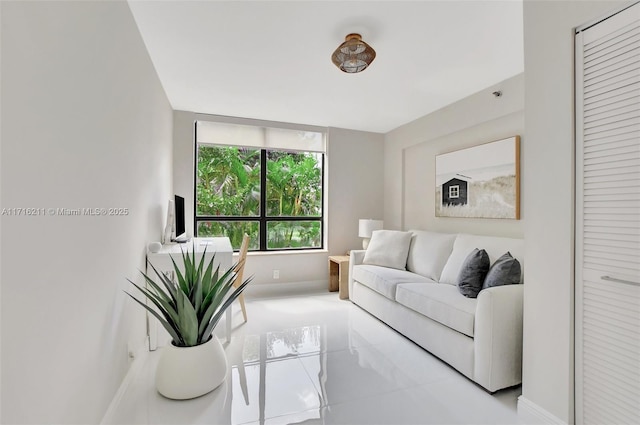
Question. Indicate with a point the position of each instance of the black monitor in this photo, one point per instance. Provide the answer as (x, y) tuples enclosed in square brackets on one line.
[(179, 222)]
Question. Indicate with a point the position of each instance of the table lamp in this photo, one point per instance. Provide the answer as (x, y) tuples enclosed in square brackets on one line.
[(366, 228)]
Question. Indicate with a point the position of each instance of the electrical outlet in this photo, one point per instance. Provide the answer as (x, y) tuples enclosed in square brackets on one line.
[(276, 274)]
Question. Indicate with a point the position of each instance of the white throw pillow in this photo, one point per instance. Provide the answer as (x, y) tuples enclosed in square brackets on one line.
[(429, 252), (388, 248)]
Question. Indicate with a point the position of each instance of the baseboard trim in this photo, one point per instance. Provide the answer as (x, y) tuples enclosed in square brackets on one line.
[(284, 289), (530, 413), (139, 359)]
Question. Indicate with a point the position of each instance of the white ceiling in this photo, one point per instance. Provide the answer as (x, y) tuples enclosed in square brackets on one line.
[(271, 60)]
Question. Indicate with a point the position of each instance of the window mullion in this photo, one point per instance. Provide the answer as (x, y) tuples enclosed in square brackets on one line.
[(263, 200)]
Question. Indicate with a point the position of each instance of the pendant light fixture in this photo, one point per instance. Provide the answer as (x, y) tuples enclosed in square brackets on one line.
[(354, 55)]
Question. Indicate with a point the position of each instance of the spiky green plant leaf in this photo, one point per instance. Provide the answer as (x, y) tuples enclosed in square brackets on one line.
[(188, 321), (167, 310), (182, 284), (218, 315), (174, 334), (206, 286), (190, 307), (165, 281), (216, 297), (156, 289)]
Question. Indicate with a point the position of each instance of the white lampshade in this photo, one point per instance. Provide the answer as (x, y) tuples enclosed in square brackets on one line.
[(366, 227)]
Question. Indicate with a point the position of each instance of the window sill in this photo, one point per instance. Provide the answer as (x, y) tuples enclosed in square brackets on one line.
[(296, 252)]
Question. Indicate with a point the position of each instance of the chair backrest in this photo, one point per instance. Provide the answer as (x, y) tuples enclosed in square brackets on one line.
[(241, 260)]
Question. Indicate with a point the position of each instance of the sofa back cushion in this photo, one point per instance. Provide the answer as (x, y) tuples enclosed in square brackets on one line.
[(388, 248), (429, 252), (495, 246)]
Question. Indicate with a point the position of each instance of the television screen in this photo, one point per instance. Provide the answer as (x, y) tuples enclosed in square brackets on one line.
[(179, 217)]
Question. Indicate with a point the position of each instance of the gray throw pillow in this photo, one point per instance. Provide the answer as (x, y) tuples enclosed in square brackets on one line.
[(472, 274), (505, 271)]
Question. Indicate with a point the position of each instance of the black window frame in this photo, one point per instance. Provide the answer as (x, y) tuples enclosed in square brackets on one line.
[(262, 218)]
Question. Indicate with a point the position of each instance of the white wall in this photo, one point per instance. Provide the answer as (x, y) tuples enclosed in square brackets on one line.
[(410, 150), (354, 171), (85, 123), (356, 180), (183, 162), (548, 199)]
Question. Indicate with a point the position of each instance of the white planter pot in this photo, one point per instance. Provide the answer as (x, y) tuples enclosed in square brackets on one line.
[(189, 372)]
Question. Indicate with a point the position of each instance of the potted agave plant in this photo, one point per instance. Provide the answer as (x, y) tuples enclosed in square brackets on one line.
[(189, 309)]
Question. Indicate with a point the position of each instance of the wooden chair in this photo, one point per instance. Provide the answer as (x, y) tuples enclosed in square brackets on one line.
[(240, 271)]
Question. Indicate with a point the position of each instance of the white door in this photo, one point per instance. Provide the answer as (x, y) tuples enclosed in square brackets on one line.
[(608, 220)]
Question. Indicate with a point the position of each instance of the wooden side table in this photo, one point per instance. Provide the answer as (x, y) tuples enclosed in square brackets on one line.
[(339, 275)]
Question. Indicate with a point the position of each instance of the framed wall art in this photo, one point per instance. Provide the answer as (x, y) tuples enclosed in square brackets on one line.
[(480, 182)]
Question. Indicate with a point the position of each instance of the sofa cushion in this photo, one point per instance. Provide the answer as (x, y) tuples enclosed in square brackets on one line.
[(505, 271), (495, 247), (442, 303), (384, 280), (429, 252), (473, 272), (388, 248)]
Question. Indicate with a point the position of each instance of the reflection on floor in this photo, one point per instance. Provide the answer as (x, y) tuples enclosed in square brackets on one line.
[(318, 360)]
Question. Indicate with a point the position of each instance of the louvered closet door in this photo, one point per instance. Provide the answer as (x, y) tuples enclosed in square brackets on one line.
[(608, 220)]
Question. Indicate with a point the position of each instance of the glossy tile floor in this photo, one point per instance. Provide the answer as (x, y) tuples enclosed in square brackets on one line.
[(316, 359)]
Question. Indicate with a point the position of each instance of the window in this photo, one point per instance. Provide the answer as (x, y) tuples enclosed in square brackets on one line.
[(454, 191), (262, 181)]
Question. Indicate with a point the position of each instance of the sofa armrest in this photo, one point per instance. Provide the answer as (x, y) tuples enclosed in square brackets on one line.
[(498, 337), (356, 257)]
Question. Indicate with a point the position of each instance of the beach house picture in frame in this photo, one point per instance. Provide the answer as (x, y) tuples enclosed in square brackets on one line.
[(480, 182)]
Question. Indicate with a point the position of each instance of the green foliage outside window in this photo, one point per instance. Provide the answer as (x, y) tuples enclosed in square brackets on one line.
[(293, 234), (235, 230), (294, 184), (228, 181), (228, 184)]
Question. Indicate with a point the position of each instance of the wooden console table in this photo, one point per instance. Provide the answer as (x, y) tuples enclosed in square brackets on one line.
[(339, 275)]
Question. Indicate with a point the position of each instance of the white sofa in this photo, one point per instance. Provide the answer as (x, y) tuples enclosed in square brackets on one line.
[(480, 337)]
